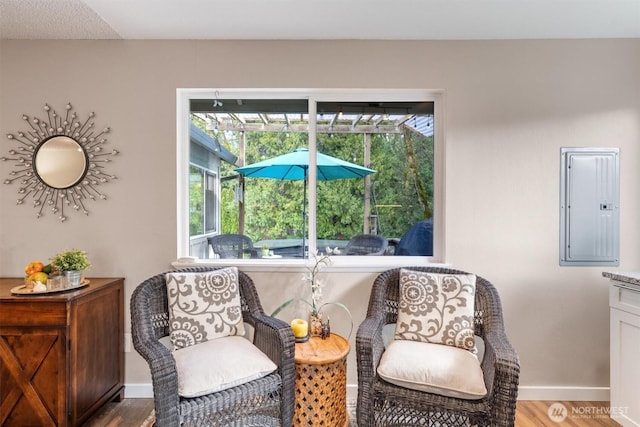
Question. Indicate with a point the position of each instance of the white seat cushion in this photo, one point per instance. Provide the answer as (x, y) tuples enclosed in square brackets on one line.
[(433, 368), (219, 364)]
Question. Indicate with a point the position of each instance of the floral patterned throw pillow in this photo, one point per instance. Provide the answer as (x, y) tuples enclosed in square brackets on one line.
[(203, 306), (436, 308)]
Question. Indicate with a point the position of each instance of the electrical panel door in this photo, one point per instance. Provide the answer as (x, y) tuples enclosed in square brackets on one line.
[(589, 206)]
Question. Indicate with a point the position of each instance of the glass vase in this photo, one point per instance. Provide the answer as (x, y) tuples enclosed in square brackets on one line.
[(315, 324)]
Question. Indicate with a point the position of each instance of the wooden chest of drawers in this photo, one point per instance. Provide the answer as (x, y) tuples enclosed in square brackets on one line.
[(61, 354)]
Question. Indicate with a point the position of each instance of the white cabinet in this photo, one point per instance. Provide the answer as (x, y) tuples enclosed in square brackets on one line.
[(624, 302)]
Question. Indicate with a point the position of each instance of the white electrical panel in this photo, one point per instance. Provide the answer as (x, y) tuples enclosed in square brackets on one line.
[(589, 206)]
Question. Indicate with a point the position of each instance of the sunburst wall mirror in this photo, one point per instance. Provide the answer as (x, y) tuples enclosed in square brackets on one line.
[(60, 162)]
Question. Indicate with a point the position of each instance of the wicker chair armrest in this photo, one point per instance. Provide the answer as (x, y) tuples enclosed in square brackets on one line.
[(164, 378), (501, 368), (274, 337), (162, 365), (369, 349), (369, 343)]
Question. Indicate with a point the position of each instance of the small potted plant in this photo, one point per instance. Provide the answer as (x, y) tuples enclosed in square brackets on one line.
[(72, 264)]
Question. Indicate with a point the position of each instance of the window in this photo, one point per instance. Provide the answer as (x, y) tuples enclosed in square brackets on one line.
[(381, 178), (202, 202)]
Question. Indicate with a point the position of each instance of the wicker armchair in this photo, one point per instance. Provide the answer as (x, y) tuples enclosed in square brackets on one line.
[(233, 246), (383, 404), (264, 402), (366, 244)]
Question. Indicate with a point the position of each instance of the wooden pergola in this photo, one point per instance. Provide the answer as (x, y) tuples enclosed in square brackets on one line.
[(291, 116)]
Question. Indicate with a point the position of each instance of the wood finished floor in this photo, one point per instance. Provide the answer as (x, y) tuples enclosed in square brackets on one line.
[(529, 413), (128, 413)]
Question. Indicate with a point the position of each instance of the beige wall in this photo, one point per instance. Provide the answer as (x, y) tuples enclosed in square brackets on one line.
[(510, 106)]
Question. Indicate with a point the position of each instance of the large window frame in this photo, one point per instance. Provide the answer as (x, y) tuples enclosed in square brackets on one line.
[(184, 97)]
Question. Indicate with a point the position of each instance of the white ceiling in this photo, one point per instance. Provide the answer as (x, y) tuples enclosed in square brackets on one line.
[(319, 19)]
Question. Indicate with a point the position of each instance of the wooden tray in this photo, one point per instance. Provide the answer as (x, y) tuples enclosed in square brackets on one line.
[(22, 289)]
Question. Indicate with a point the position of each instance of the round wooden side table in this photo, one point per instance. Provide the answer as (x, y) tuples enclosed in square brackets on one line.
[(321, 382)]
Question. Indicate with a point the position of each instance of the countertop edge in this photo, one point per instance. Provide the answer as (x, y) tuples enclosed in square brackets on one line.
[(632, 278)]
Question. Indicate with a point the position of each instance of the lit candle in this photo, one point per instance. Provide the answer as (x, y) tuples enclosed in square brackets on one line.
[(300, 328)]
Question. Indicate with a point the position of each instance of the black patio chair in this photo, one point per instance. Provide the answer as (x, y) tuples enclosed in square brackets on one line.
[(233, 246), (366, 244)]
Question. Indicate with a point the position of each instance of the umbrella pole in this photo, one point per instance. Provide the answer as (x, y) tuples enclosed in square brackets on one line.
[(304, 211)]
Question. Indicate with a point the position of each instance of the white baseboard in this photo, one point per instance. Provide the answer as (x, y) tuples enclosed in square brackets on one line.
[(352, 394), (563, 393), (134, 391), (138, 391)]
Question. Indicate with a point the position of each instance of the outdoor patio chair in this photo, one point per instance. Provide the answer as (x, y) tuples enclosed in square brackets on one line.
[(366, 244), (266, 401), (233, 246), (383, 403)]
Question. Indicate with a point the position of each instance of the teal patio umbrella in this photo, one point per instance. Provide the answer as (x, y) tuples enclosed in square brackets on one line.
[(295, 166)]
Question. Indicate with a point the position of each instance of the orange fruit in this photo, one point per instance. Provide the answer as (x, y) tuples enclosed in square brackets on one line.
[(33, 267), (38, 277)]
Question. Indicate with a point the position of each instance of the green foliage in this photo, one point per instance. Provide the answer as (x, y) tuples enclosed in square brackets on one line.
[(229, 208), (402, 187), (396, 183), (70, 260), (196, 202)]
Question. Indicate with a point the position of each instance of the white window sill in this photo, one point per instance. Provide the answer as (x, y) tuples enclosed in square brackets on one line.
[(338, 263)]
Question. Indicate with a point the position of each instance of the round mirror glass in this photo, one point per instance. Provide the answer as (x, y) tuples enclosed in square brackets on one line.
[(61, 162)]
